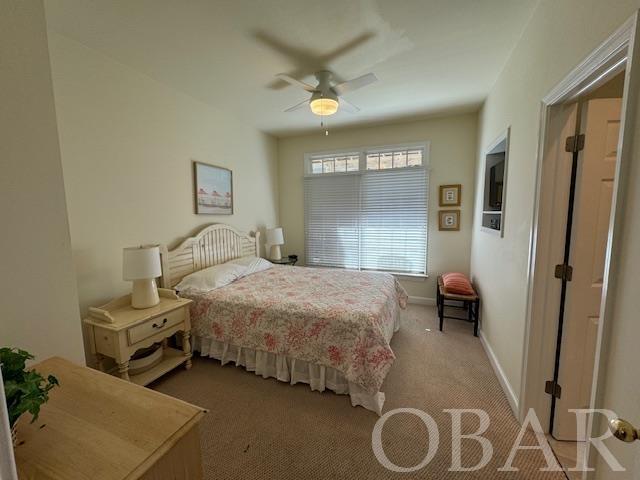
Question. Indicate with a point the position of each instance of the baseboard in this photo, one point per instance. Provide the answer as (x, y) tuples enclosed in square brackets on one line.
[(422, 300), (502, 378)]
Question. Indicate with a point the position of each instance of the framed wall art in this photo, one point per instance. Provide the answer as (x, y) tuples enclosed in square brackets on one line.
[(450, 195), (213, 189), (449, 220)]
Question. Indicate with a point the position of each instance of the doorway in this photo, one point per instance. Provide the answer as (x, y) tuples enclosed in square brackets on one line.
[(557, 234), (590, 157)]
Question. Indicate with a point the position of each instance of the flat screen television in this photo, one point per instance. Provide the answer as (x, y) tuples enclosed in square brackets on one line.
[(496, 182)]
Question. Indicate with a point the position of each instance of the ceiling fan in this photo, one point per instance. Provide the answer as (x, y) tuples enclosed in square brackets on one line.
[(327, 97)]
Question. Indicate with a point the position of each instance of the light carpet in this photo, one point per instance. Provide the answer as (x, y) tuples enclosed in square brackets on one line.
[(265, 429)]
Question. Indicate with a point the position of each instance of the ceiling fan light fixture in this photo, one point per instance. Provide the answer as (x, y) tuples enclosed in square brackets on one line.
[(324, 106)]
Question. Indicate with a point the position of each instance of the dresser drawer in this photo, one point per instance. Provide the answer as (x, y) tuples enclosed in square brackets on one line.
[(155, 325)]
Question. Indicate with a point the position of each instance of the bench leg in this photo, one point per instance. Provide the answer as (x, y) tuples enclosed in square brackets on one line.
[(439, 304), (475, 316)]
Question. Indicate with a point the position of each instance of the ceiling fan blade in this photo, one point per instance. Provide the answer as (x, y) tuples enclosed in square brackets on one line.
[(355, 84), (331, 56), (348, 106), (295, 82), (298, 106)]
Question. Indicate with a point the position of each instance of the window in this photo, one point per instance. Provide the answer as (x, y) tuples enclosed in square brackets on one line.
[(347, 162), (394, 159), (367, 210)]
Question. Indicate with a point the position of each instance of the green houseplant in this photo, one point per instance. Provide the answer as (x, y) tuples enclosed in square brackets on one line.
[(25, 390)]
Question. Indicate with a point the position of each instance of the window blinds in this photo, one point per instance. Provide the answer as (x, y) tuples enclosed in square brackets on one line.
[(393, 220), (368, 220), (331, 218)]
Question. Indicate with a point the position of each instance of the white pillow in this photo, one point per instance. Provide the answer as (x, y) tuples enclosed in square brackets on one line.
[(252, 264), (211, 278)]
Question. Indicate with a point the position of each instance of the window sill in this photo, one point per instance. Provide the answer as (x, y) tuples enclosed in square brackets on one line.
[(411, 278)]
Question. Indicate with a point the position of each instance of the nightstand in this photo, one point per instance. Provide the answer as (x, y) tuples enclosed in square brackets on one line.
[(117, 331), (290, 260)]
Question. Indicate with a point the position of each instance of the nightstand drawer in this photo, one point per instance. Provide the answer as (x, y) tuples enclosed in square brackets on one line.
[(155, 325)]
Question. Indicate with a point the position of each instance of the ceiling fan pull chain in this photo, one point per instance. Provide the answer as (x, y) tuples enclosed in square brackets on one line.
[(326, 130), (322, 125)]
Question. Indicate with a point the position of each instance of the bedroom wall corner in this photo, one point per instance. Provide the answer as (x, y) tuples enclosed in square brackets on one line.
[(453, 142), (37, 288), (559, 36), (128, 143)]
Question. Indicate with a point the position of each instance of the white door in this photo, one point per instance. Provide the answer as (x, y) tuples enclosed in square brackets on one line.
[(600, 123)]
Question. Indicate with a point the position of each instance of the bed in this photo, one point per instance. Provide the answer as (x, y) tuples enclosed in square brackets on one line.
[(329, 328)]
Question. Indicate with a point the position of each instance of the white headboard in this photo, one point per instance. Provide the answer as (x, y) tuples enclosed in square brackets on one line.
[(214, 244)]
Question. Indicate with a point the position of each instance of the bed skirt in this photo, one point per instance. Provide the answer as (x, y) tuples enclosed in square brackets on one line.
[(287, 369), (291, 370)]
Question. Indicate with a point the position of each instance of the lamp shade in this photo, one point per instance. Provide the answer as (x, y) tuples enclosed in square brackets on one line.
[(324, 106), (140, 263), (275, 236)]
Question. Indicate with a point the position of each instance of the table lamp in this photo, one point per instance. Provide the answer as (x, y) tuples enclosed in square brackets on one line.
[(275, 238), (142, 265)]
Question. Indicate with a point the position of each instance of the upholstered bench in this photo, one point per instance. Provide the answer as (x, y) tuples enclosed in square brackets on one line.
[(457, 288)]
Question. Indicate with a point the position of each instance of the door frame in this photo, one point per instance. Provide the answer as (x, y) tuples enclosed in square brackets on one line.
[(619, 52)]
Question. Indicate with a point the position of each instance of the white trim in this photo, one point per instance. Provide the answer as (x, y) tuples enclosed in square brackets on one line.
[(506, 138), (422, 300), (425, 146), (491, 231), (354, 150), (416, 277), (502, 378), (607, 54), (498, 140)]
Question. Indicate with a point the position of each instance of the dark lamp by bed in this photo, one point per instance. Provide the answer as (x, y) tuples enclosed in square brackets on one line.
[(142, 266), (275, 238)]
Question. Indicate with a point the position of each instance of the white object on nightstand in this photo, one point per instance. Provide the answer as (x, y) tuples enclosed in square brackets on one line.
[(142, 265), (275, 238), (118, 331)]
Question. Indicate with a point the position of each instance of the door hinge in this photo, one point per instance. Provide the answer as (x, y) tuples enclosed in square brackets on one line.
[(575, 143), (564, 272), (553, 389)]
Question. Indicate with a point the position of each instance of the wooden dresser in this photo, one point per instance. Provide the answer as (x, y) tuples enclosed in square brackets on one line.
[(96, 426)]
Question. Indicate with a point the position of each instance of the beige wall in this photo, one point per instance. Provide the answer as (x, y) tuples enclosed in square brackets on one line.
[(127, 145), (452, 157), (37, 286), (559, 35)]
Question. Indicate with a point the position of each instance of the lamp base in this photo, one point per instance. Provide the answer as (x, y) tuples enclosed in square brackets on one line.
[(275, 252), (144, 293)]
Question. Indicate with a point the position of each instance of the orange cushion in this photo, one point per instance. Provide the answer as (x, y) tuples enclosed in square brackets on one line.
[(457, 283)]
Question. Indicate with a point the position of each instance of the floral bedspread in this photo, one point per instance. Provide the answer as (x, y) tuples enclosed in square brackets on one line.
[(336, 318)]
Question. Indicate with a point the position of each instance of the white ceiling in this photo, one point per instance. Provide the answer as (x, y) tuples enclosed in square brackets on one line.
[(430, 56)]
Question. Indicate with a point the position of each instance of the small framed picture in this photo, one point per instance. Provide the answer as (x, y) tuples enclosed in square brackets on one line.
[(213, 189), (450, 195), (449, 220)]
